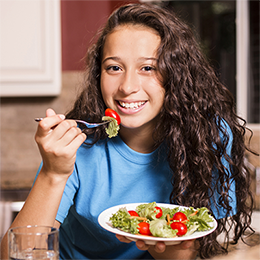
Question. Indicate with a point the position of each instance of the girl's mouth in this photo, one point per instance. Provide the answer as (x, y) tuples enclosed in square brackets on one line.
[(131, 105)]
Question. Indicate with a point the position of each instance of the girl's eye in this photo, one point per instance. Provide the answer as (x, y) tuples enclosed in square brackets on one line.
[(148, 68), (113, 68)]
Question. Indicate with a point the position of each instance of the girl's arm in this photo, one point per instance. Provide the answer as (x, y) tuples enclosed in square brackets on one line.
[(40, 207), (58, 141)]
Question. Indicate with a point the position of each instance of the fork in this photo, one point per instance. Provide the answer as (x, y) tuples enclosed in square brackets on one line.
[(88, 125)]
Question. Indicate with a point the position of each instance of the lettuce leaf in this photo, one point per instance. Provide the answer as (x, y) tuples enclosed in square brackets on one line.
[(147, 210), (159, 228), (121, 219), (113, 127)]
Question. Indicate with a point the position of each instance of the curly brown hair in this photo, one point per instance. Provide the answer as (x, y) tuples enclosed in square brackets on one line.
[(189, 122)]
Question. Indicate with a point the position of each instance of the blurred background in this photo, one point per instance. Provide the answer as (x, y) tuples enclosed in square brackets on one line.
[(42, 47)]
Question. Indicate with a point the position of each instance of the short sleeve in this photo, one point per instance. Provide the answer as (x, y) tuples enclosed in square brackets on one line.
[(68, 194), (67, 199)]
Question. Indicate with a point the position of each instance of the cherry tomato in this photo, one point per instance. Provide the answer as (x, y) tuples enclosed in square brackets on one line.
[(110, 112), (144, 228), (179, 216), (133, 213), (182, 228), (159, 210)]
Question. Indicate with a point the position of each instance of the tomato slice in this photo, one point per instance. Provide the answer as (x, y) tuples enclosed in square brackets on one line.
[(159, 210), (182, 228), (144, 228), (110, 112), (133, 213), (179, 216)]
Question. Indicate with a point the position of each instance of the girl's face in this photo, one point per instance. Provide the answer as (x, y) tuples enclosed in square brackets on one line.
[(129, 81)]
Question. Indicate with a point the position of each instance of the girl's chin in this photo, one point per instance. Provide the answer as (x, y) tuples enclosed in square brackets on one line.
[(130, 126), (134, 124)]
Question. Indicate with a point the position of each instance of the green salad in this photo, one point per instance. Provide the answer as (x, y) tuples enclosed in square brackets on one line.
[(152, 220)]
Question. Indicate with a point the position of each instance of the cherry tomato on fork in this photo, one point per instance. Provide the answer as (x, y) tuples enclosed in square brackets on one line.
[(182, 228), (159, 210), (133, 213), (144, 228), (110, 112)]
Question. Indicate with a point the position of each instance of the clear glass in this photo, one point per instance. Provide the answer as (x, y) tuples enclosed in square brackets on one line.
[(33, 242)]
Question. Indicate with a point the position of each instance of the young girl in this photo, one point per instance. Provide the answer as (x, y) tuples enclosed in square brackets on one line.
[(179, 142)]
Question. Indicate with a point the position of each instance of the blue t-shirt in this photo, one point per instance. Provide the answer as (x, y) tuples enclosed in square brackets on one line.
[(105, 175), (108, 174)]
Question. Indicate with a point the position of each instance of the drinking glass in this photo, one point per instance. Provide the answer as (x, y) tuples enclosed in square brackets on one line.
[(33, 242)]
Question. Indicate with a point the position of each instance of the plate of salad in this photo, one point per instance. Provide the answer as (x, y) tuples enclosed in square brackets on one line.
[(153, 222)]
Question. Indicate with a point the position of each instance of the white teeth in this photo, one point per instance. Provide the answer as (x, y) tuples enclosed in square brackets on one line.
[(131, 105)]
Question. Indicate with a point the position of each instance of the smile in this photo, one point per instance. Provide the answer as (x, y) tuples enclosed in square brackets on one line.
[(132, 105)]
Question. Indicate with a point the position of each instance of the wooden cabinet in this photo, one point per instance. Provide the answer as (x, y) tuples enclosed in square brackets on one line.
[(30, 48)]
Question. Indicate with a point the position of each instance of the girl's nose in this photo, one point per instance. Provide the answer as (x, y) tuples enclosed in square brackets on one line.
[(130, 83)]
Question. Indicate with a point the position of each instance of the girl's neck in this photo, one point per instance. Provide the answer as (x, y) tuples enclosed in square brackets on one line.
[(140, 140)]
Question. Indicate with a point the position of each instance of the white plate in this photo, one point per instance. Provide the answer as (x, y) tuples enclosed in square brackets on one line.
[(104, 222)]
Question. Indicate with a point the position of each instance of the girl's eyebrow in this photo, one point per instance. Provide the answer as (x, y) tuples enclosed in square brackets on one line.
[(139, 59), (147, 58), (111, 58)]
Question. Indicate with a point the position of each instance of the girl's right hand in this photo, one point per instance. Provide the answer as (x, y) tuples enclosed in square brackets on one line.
[(58, 140), (187, 249)]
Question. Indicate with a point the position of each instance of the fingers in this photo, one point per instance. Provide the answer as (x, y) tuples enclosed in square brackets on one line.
[(159, 247), (53, 120), (47, 124), (64, 136), (69, 136), (66, 131), (141, 245), (58, 141), (187, 244), (50, 112), (183, 250), (123, 239)]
